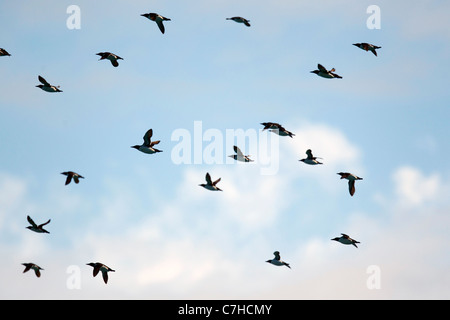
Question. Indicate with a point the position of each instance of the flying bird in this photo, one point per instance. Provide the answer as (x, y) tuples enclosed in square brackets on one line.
[(148, 145), (101, 267), (310, 159), (240, 20), (72, 175), (351, 181), (110, 56), (33, 266), (276, 261), (367, 47), (210, 185), (345, 239), (37, 228), (277, 128), (324, 73), (47, 86), (3, 52), (157, 18), (239, 156)]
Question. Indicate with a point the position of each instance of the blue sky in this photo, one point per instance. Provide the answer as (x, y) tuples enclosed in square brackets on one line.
[(146, 217)]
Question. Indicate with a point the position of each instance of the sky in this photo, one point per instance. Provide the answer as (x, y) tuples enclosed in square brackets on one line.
[(205, 85)]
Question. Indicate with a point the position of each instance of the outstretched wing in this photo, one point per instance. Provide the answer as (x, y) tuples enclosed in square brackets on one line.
[(68, 179), (238, 151), (277, 255), (160, 25), (154, 142), (208, 178), (105, 276), (309, 153), (216, 182), (96, 269), (27, 267), (321, 68), (351, 187), (41, 225), (43, 81), (147, 137), (31, 221)]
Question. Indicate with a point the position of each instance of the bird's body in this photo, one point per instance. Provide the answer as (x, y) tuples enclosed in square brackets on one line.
[(72, 175), (148, 145), (32, 266), (110, 56), (324, 73), (282, 132), (47, 86), (239, 156), (276, 261), (367, 47), (156, 18), (3, 52), (101, 267), (351, 181), (210, 185), (345, 239), (240, 20), (310, 159)]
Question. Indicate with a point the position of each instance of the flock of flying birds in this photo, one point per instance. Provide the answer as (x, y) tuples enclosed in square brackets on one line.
[(148, 147)]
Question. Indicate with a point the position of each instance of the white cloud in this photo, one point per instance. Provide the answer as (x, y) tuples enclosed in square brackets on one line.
[(414, 188), (207, 244), (12, 190)]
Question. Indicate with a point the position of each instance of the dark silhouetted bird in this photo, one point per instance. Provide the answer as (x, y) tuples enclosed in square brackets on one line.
[(37, 228), (101, 267), (345, 239), (35, 267), (109, 56), (324, 73), (351, 181), (367, 47), (72, 175), (240, 20), (157, 18), (276, 261), (47, 86), (148, 145)]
